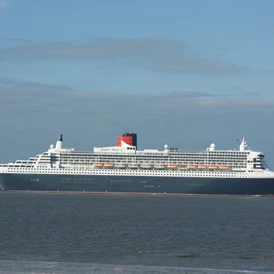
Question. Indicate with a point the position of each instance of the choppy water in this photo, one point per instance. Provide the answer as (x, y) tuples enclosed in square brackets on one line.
[(195, 232)]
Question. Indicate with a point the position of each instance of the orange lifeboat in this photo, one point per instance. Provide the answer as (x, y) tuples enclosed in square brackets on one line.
[(191, 165), (202, 166), (224, 167), (109, 164), (98, 164), (213, 166), (182, 166), (171, 165)]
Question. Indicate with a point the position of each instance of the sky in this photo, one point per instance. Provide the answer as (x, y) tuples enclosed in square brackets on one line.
[(186, 73)]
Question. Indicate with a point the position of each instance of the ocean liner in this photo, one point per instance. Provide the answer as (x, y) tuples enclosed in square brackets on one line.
[(123, 168)]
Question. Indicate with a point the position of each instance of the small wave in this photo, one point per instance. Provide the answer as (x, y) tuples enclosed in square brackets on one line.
[(44, 267)]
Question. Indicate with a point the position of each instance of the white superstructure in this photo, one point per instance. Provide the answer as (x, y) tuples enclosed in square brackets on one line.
[(125, 160)]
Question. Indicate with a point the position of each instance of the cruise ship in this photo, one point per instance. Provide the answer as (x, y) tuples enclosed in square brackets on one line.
[(125, 169)]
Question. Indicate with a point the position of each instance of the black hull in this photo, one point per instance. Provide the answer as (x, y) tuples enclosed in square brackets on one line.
[(97, 183)]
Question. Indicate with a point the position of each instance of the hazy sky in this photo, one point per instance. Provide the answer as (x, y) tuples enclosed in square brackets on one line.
[(182, 72)]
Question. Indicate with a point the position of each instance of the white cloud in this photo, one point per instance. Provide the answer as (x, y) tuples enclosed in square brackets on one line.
[(153, 54)]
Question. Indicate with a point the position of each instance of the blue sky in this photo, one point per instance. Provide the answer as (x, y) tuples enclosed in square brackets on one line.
[(239, 34), (211, 61)]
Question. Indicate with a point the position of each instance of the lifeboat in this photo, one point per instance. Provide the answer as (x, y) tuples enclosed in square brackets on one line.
[(159, 166), (98, 164), (146, 165), (171, 166), (120, 165), (133, 165), (191, 165), (109, 164), (202, 166), (213, 166), (223, 167), (182, 166)]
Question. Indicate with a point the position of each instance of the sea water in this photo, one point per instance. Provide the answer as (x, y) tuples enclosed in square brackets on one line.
[(70, 233)]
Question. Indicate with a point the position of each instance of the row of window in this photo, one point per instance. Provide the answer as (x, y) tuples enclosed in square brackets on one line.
[(151, 160), (151, 156), (119, 171), (165, 174)]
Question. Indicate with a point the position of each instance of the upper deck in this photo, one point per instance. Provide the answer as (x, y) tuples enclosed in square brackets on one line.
[(125, 155)]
